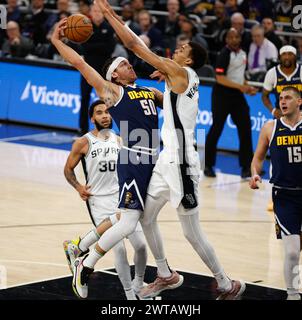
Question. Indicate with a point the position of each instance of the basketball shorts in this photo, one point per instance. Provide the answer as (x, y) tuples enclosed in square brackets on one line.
[(134, 172), (288, 211), (101, 207)]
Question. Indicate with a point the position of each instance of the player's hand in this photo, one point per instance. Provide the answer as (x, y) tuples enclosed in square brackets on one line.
[(84, 192), (159, 75), (106, 9), (58, 32), (254, 180), (252, 91)]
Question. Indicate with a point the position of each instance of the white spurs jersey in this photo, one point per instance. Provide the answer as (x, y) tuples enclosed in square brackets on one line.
[(99, 164), (180, 111)]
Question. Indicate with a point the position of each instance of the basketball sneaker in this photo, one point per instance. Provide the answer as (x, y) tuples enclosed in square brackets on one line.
[(235, 293), (160, 284), (80, 277), (72, 251)]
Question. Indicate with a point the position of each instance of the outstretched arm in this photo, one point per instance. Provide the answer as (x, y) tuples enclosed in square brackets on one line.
[(176, 74), (105, 89)]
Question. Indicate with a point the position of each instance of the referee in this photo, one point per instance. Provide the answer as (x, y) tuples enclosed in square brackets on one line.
[(228, 98)]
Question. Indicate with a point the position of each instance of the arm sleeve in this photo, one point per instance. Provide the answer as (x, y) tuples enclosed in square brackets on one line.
[(223, 62)]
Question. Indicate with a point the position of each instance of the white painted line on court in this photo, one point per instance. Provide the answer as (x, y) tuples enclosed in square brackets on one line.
[(26, 136)]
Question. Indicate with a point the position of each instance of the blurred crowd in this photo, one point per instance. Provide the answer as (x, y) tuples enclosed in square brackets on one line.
[(174, 22)]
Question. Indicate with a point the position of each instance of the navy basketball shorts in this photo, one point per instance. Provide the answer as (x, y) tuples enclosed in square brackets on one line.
[(134, 171), (288, 211)]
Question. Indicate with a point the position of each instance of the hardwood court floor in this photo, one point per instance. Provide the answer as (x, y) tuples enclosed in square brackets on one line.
[(38, 210)]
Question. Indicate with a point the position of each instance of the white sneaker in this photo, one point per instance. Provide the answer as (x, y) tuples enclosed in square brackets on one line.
[(80, 278), (295, 296)]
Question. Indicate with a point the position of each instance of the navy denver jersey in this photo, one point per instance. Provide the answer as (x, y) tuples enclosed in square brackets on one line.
[(282, 81), (286, 155), (137, 110)]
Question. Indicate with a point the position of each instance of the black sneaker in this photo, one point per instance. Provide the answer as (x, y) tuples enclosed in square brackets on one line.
[(209, 172), (246, 173)]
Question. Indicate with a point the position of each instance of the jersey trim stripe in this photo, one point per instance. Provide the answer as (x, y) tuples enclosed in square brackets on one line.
[(273, 133), (86, 178), (189, 199), (282, 226)]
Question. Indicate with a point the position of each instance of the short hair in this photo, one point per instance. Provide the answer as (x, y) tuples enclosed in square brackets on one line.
[(199, 55), (293, 89), (93, 105), (257, 27)]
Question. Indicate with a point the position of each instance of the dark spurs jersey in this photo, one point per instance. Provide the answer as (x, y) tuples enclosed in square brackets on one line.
[(286, 155), (136, 116)]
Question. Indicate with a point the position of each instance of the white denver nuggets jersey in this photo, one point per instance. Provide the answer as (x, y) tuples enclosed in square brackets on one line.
[(99, 164)]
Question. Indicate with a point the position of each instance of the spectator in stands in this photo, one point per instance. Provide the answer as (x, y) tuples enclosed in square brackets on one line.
[(181, 40), (16, 45), (84, 7), (96, 51), (261, 53), (256, 9), (237, 22), (142, 68), (128, 17), (283, 10), (217, 29), (231, 7), (148, 29), (190, 31), (34, 22), (228, 98), (205, 8), (189, 6), (137, 6), (62, 6), (299, 49), (169, 25), (269, 32), (13, 11)]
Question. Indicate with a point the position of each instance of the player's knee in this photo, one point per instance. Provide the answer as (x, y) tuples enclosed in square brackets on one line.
[(141, 248), (146, 221)]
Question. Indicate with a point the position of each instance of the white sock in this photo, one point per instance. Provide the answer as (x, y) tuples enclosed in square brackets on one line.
[(92, 258), (223, 281), (163, 268), (138, 282), (130, 295), (90, 238)]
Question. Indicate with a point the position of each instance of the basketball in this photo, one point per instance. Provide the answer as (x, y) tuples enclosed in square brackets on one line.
[(79, 28)]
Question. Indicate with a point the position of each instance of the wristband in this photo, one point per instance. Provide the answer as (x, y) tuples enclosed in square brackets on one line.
[(273, 111)]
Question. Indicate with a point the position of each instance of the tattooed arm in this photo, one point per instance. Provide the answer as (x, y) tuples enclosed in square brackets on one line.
[(106, 90), (79, 149)]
